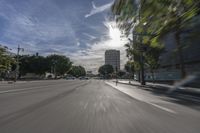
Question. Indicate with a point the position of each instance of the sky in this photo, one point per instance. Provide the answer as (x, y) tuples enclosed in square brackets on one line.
[(79, 29)]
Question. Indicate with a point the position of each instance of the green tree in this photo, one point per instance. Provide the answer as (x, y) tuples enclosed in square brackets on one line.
[(40, 65), (32, 64), (129, 67), (152, 19), (6, 61), (59, 64), (133, 55), (106, 70), (152, 59), (77, 71), (170, 16), (126, 14), (121, 73), (130, 20)]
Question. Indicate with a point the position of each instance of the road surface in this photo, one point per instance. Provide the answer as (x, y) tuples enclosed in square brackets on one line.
[(89, 106)]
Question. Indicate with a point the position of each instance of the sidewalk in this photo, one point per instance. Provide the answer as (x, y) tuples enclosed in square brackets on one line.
[(163, 101), (185, 92), (157, 85)]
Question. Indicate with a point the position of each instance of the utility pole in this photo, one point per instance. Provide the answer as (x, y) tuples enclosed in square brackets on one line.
[(141, 48), (141, 60), (142, 69), (17, 67), (116, 75), (141, 54), (129, 73), (54, 69)]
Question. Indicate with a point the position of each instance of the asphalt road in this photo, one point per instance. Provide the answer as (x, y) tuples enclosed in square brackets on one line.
[(90, 106)]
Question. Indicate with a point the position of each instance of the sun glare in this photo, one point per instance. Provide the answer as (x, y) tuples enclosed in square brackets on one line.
[(115, 35)]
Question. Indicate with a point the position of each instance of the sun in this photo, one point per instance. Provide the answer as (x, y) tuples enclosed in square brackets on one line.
[(115, 35)]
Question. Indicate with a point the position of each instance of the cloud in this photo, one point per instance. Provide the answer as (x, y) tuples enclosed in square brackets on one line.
[(78, 43), (93, 57), (57, 28), (33, 30), (100, 9), (91, 37)]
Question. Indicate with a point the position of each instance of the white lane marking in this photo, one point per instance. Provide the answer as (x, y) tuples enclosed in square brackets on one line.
[(30, 88), (161, 107), (142, 100), (17, 90)]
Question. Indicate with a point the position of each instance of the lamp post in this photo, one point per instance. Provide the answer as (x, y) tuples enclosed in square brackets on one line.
[(105, 75), (130, 71), (54, 69), (142, 69), (116, 76), (17, 67)]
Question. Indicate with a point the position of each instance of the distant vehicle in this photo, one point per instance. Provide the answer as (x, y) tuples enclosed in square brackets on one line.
[(99, 78), (70, 78), (83, 78)]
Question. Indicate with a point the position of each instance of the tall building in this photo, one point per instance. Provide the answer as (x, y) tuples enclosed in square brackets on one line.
[(112, 57)]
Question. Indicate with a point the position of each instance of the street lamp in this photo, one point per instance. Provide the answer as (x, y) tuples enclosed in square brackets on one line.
[(106, 74), (17, 67), (130, 71), (54, 68), (116, 75)]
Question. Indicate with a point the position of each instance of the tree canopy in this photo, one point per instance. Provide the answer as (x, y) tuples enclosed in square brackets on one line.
[(147, 21), (106, 70), (77, 71), (129, 66), (60, 64), (6, 60), (56, 64), (32, 64), (161, 16)]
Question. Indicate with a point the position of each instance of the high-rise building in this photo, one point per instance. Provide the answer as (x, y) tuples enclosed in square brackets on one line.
[(112, 57)]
